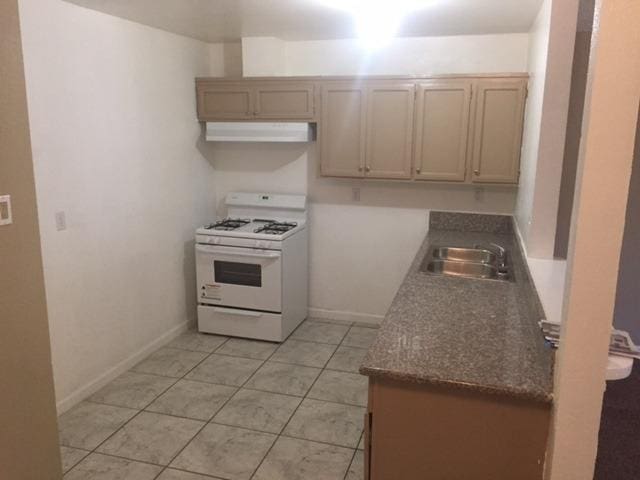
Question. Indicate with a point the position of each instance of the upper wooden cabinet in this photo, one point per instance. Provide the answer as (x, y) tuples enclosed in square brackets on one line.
[(287, 101), (497, 137), (224, 102), (342, 130), (389, 129), (465, 128), (442, 127), (366, 129), (246, 100)]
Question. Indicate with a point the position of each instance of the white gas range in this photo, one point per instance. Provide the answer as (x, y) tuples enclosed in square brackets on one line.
[(252, 267)]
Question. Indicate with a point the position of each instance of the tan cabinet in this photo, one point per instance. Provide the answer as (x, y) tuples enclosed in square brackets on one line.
[(248, 100), (366, 129), (442, 130), (224, 102), (342, 130), (288, 101), (420, 432), (457, 128), (497, 137), (389, 129)]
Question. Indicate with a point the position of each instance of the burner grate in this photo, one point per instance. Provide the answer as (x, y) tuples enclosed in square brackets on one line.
[(276, 228), (228, 224)]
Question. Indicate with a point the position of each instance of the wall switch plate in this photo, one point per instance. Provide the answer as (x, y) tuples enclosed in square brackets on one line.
[(478, 194), (356, 194), (61, 221), (6, 217)]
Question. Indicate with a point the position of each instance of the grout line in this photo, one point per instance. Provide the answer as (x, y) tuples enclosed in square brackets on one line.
[(353, 457), (223, 405), (154, 399), (238, 388)]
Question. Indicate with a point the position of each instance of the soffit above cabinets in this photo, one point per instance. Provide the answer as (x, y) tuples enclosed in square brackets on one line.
[(230, 20)]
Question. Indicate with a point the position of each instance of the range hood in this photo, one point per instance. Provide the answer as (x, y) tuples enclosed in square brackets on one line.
[(259, 132)]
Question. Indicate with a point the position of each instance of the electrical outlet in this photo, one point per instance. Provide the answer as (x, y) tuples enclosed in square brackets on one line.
[(5, 210), (479, 194), (61, 221), (356, 194)]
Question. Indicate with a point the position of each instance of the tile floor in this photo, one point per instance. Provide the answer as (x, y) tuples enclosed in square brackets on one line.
[(208, 406)]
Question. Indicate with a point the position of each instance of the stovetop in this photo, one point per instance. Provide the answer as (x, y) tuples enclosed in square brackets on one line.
[(252, 227)]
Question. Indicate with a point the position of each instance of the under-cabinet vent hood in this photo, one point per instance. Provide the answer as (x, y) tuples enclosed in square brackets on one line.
[(259, 132)]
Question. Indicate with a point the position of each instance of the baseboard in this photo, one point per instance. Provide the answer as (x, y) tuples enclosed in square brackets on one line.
[(345, 316), (90, 388)]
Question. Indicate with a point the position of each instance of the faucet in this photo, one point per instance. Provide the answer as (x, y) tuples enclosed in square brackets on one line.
[(499, 251)]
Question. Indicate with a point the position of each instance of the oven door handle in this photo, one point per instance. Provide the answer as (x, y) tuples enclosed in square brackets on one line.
[(233, 311), (213, 250)]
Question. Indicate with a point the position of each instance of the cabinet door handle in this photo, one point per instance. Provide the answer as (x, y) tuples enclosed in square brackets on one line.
[(476, 172), (418, 170), (367, 168), (360, 168)]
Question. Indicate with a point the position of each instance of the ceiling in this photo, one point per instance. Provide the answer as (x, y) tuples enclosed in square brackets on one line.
[(230, 20)]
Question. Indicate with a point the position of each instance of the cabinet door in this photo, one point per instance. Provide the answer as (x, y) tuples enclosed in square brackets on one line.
[(224, 102), (442, 128), (498, 130), (284, 101), (389, 129), (342, 130)]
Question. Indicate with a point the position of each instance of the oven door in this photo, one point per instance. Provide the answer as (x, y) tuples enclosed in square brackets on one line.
[(239, 277)]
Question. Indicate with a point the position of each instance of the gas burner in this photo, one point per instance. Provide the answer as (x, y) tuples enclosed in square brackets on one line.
[(228, 224), (276, 228)]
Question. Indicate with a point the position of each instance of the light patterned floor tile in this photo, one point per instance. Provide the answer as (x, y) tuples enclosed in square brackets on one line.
[(332, 423), (240, 347), (88, 424), (132, 390), (361, 337), (227, 452), (225, 370), (170, 362), (309, 354), (320, 332), (71, 456), (151, 437), (284, 378), (341, 387), (263, 411), (295, 459), (198, 342), (347, 359), (103, 467), (197, 400), (356, 469)]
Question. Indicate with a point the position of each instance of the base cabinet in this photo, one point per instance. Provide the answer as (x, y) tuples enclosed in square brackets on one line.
[(426, 432)]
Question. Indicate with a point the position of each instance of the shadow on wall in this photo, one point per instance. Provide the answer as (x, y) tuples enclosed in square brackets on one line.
[(252, 157), (293, 168)]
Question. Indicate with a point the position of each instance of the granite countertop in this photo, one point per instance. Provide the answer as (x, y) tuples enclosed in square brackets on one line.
[(466, 333)]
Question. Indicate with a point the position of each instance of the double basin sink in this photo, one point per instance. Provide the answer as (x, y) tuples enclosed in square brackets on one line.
[(478, 262)]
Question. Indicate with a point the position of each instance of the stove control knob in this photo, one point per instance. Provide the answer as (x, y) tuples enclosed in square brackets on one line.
[(262, 244)]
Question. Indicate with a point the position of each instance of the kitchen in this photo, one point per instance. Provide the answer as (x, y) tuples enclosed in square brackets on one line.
[(124, 176)]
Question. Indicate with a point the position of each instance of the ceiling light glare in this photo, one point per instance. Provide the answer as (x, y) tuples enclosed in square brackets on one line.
[(377, 21)]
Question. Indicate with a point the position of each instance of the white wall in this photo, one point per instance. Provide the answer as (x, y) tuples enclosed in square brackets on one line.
[(537, 68), (115, 146), (550, 65), (361, 250), (403, 56)]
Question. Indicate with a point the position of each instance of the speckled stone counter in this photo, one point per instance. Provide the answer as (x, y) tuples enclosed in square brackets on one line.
[(461, 332)]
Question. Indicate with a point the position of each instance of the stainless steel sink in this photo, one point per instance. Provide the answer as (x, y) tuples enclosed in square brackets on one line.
[(460, 254), (478, 262), (466, 269)]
